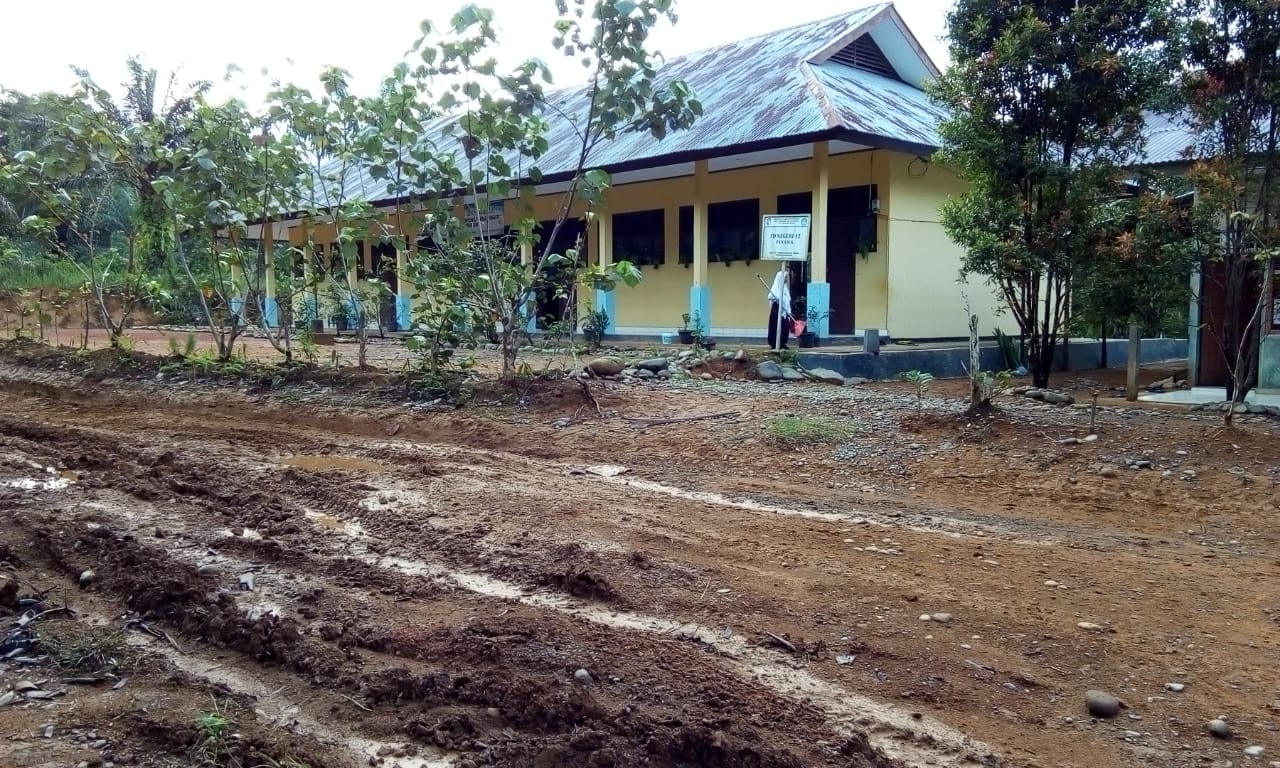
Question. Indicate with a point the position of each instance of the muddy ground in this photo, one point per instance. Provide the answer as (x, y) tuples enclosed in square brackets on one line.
[(348, 579)]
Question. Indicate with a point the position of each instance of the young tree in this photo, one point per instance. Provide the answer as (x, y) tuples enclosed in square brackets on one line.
[(234, 167), (1231, 82), (336, 132), (1045, 101), (500, 128)]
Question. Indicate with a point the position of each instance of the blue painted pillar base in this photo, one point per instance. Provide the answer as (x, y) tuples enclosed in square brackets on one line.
[(311, 307), (270, 312), (700, 306), (404, 314), (237, 309), (530, 313), (353, 309), (818, 299), (606, 302)]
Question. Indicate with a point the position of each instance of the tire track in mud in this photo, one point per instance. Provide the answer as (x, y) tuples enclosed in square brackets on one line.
[(478, 583), (897, 733)]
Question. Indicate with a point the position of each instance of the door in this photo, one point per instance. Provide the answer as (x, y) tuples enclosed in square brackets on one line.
[(555, 289), (850, 229), (384, 267)]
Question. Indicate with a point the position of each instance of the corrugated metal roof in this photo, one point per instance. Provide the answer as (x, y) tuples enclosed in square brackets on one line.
[(877, 106), (761, 90), (1168, 139)]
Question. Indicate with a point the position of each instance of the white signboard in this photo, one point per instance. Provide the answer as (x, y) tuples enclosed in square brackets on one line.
[(488, 224), (785, 238)]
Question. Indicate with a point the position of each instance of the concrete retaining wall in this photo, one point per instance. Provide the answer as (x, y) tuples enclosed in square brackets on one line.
[(950, 363)]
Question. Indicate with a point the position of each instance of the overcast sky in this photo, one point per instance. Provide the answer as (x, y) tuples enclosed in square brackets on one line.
[(293, 39)]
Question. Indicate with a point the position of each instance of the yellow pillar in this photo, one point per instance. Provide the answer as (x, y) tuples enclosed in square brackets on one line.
[(818, 227), (700, 222), (700, 292), (605, 301), (604, 238), (270, 306)]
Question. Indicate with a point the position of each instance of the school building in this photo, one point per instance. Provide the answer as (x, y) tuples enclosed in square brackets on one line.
[(828, 118)]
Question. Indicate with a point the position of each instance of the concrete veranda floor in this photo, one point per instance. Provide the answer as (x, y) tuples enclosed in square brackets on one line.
[(1202, 395)]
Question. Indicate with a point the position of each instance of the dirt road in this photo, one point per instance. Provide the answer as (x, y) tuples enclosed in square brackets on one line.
[(380, 585)]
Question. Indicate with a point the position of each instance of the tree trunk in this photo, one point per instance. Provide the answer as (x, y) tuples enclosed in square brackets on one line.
[(975, 367), (1103, 352), (1135, 351), (510, 351)]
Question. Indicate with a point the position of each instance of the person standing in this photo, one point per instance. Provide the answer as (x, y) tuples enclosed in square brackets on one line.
[(780, 301)]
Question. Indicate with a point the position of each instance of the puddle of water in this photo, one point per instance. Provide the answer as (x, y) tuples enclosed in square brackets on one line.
[(602, 470), (374, 750), (31, 484), (317, 463), (720, 500), (260, 609), (336, 524)]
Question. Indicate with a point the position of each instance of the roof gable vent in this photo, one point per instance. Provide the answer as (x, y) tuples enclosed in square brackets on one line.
[(863, 53)]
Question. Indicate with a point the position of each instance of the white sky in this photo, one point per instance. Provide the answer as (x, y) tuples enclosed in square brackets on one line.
[(293, 39)]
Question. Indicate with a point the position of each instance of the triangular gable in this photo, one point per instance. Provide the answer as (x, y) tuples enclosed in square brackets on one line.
[(884, 45)]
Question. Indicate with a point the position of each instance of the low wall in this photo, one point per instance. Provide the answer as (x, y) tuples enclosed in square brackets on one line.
[(951, 363)]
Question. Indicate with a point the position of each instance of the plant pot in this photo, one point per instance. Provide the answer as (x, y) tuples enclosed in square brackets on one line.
[(808, 340), (709, 344), (317, 326), (686, 336), (340, 324)]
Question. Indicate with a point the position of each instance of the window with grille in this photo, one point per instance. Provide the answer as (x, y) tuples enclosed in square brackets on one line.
[(640, 237), (733, 232)]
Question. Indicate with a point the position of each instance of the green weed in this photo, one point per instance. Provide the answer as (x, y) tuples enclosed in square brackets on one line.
[(794, 431)]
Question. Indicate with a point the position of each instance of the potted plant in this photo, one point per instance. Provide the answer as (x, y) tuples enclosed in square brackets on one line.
[(808, 339), (708, 343), (685, 333)]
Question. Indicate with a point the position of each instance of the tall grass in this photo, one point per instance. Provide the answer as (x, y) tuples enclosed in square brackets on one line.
[(24, 269)]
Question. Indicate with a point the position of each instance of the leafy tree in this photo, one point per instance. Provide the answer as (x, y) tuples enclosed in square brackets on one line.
[(235, 166), (336, 134), (152, 124), (1140, 270), (1045, 101), (70, 181), (1231, 82), (500, 127)]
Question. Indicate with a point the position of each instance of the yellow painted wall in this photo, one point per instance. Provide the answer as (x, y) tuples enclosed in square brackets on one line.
[(737, 298), (909, 286), (924, 292)]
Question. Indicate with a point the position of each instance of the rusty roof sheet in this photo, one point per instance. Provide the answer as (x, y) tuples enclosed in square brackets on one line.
[(880, 107), (761, 90)]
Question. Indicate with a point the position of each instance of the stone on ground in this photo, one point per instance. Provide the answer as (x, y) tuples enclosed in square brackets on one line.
[(606, 366), (826, 375), (768, 370), (654, 365), (1102, 704)]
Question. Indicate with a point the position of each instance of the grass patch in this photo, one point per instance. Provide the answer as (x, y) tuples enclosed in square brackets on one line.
[(83, 651), (795, 431)]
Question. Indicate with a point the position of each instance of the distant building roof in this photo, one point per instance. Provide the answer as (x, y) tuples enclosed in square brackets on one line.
[(1168, 139)]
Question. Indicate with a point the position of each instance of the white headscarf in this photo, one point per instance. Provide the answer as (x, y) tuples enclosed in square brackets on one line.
[(782, 288)]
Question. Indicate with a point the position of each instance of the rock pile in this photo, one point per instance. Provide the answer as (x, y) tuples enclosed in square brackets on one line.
[(1049, 396), (1255, 409), (687, 363)]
